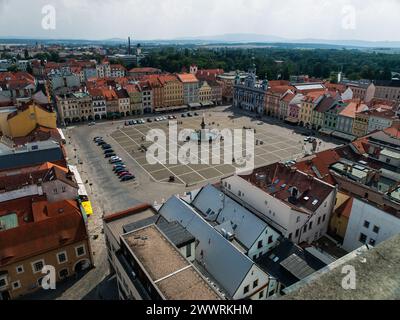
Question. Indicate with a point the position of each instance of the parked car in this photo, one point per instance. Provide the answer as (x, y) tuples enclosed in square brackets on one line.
[(118, 171), (109, 155), (196, 114), (109, 151), (127, 178), (91, 123), (101, 143), (149, 120), (124, 173), (183, 115), (118, 166), (115, 157), (116, 161), (189, 115), (96, 139)]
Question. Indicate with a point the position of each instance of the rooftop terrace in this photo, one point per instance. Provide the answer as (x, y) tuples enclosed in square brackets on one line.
[(174, 276)]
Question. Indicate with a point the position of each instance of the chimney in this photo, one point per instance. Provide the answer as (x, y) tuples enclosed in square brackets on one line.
[(129, 45)]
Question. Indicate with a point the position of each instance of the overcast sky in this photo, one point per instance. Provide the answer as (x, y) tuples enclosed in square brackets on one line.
[(168, 19)]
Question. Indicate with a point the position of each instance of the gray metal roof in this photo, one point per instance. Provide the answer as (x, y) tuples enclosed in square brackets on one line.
[(247, 227), (21, 159), (289, 263), (219, 257), (178, 235)]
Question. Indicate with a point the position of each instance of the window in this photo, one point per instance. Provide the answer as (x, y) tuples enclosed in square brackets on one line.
[(188, 250), (3, 282), (376, 229), (297, 233), (37, 266), (271, 293), (372, 242), (62, 257), (319, 220), (270, 240), (290, 236), (366, 224), (363, 238), (20, 269), (261, 295), (260, 244), (323, 218), (16, 285), (246, 289), (255, 284), (310, 226), (80, 251), (63, 273)]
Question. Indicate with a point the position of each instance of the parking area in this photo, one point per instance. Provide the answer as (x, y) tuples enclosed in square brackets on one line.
[(271, 144)]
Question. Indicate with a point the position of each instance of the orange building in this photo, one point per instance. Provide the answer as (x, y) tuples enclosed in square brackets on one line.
[(35, 233)]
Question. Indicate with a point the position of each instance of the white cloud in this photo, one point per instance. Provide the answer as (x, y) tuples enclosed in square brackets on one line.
[(152, 19)]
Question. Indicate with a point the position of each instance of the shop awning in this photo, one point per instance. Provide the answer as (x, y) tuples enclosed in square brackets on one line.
[(326, 131), (171, 108), (194, 105), (344, 136), (292, 120)]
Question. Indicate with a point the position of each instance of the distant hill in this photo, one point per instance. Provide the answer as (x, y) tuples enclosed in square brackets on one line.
[(258, 38), (231, 38)]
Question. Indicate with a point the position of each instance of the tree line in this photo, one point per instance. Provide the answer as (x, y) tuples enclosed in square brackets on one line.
[(279, 63)]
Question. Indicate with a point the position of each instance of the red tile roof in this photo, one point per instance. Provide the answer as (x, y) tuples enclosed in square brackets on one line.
[(39, 134), (187, 78), (345, 208), (17, 181), (318, 165), (279, 179), (42, 227), (352, 108), (144, 70)]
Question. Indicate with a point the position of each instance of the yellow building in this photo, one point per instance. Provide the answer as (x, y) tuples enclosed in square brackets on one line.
[(306, 111), (340, 216), (26, 118), (172, 90), (205, 92), (360, 124)]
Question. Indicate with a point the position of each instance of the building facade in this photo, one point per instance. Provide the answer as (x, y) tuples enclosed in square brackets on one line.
[(250, 95)]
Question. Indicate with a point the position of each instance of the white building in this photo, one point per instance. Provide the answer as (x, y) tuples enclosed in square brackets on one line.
[(103, 70), (294, 203), (152, 258), (369, 225), (235, 273), (381, 119), (117, 71), (246, 231)]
